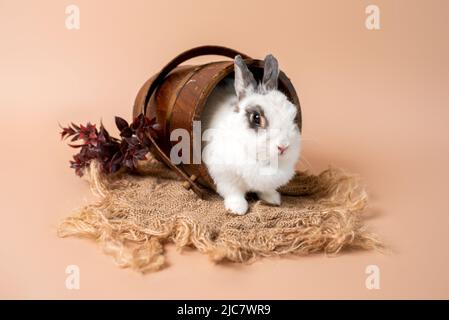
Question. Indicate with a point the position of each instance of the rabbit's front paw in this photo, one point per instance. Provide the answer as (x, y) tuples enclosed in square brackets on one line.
[(271, 197), (236, 205)]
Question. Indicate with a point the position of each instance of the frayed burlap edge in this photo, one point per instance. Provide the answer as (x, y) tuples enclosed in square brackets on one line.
[(142, 248)]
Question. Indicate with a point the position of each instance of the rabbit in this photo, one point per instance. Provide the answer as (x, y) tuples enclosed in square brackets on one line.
[(246, 128)]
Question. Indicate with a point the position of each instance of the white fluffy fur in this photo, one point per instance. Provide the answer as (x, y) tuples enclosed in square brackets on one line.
[(229, 152)]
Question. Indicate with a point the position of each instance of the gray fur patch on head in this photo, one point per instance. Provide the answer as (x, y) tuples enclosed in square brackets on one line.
[(244, 81), (235, 107), (270, 73)]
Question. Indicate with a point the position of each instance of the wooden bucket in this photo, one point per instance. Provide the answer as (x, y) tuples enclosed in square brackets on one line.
[(177, 95)]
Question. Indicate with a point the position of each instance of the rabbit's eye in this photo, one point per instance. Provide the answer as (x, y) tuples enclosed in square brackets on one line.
[(257, 119)]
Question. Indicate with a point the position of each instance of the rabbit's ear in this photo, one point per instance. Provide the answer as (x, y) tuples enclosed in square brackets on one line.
[(244, 81), (270, 73)]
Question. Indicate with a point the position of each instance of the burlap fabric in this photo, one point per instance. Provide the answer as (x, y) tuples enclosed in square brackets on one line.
[(137, 214)]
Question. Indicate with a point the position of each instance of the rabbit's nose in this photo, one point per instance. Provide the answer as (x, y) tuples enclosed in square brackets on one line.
[(282, 148)]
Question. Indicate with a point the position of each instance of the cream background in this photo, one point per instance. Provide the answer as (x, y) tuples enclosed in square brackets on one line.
[(374, 102)]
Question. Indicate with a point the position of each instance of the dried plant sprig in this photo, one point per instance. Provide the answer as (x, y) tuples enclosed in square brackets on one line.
[(112, 153)]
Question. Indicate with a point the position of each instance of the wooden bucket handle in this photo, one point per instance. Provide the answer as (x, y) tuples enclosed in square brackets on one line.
[(184, 56)]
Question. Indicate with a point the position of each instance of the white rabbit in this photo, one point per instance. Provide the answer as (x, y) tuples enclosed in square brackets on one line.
[(251, 138)]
